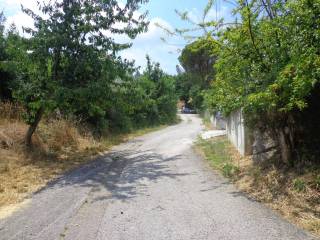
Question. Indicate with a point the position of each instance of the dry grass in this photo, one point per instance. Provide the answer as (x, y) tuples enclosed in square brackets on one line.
[(10, 111), (294, 194), (276, 187), (59, 147)]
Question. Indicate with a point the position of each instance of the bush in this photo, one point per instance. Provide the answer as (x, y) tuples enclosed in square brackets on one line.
[(299, 185), (229, 170), (58, 134)]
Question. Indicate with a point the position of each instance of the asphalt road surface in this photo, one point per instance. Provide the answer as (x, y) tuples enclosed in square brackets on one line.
[(153, 187)]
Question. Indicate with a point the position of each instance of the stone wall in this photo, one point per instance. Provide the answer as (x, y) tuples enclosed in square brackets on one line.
[(264, 147)]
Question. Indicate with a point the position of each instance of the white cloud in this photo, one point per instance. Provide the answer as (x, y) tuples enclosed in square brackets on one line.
[(221, 12), (20, 20), (12, 9), (150, 43), (214, 14), (194, 15), (16, 3)]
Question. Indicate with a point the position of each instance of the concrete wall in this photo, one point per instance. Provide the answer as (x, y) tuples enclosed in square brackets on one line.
[(238, 133), (218, 121)]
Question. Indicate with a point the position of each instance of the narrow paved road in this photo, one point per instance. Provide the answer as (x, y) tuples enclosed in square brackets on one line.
[(153, 187)]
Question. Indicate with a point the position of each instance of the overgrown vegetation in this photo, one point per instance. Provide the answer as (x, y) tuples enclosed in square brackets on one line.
[(216, 151), (295, 195), (268, 64)]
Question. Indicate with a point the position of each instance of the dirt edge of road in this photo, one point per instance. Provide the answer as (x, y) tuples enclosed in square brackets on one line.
[(291, 194)]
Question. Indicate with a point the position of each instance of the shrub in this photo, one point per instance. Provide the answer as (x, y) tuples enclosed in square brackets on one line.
[(229, 170), (299, 185), (317, 182), (59, 134)]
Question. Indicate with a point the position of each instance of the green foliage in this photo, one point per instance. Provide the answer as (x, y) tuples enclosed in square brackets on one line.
[(72, 64), (197, 59), (299, 185), (156, 99), (229, 170), (268, 64), (217, 152), (317, 182), (6, 69)]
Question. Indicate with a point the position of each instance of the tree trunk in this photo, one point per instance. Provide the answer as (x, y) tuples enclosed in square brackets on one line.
[(286, 146), (33, 126)]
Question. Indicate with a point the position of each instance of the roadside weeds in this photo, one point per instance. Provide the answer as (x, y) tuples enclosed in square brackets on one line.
[(294, 193)]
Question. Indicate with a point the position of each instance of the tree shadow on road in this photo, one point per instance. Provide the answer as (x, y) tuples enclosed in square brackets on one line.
[(120, 175)]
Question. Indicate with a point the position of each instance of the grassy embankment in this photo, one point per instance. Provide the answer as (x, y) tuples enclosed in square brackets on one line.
[(60, 146), (295, 193)]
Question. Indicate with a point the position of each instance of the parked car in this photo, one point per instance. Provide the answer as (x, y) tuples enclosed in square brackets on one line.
[(186, 110)]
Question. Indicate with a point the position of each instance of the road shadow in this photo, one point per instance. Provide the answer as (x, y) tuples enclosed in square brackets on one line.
[(120, 175)]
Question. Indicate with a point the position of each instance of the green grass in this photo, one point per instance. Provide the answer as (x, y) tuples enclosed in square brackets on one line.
[(217, 152), (299, 185)]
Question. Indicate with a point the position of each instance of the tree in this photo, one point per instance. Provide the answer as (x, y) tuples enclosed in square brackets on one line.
[(5, 74), (197, 59), (154, 96), (11, 51), (70, 51), (2, 37)]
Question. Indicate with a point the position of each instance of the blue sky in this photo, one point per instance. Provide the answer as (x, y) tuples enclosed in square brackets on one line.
[(160, 11)]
